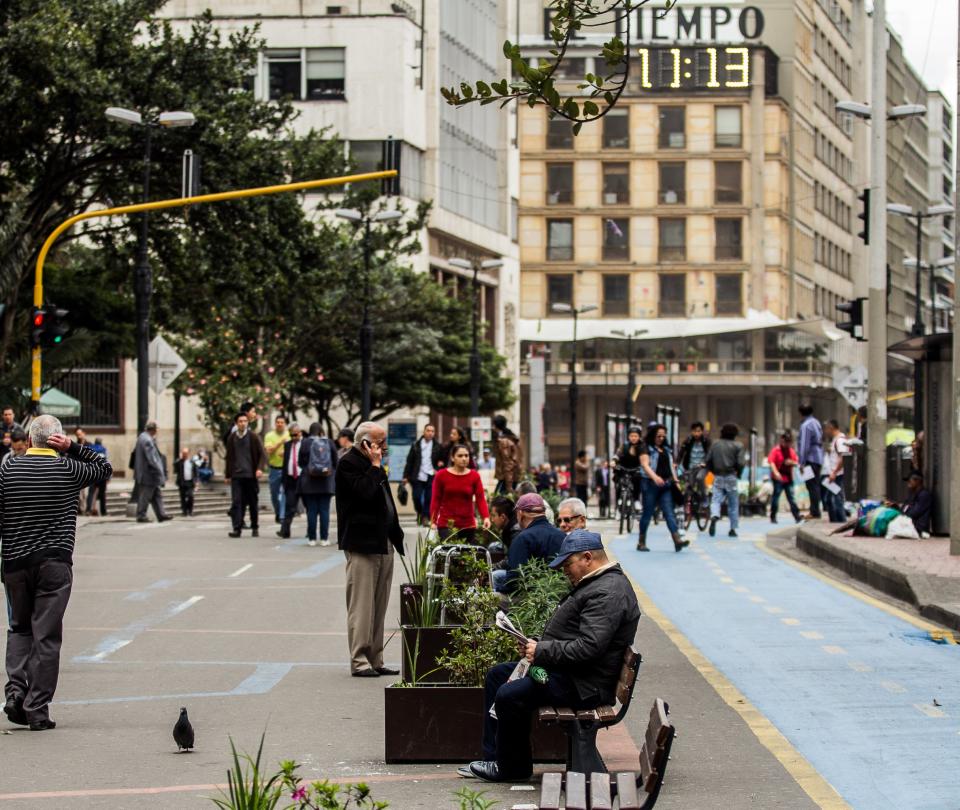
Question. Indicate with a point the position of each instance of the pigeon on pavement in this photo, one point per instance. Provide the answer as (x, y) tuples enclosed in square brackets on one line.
[(183, 732)]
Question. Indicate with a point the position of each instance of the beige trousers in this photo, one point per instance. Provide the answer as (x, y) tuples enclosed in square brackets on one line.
[(369, 577)]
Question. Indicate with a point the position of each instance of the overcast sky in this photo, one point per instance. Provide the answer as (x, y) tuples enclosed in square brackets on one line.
[(928, 29)]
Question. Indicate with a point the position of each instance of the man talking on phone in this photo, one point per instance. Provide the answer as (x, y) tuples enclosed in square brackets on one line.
[(368, 530)]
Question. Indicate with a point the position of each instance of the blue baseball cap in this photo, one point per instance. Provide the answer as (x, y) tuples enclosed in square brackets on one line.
[(578, 540)]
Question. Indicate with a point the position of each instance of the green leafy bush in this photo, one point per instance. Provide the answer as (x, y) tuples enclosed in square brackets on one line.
[(539, 589)]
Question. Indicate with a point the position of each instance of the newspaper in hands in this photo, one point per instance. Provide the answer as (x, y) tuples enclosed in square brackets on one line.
[(504, 623)]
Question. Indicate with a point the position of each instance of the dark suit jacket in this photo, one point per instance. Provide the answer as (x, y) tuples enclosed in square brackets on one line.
[(366, 513), (178, 472), (288, 481)]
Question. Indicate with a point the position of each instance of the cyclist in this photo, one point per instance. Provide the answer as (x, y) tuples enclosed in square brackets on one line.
[(628, 461), (692, 458), (658, 475)]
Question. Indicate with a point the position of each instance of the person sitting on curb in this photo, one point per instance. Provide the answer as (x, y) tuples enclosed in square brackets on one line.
[(538, 538), (581, 650), (919, 503)]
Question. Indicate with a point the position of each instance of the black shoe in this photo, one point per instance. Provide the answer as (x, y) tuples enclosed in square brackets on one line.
[(387, 671), (490, 772), (235, 533), (713, 527), (283, 536), (42, 725), (244, 525), (732, 533), (642, 547), (365, 673), (13, 709), (143, 520), (465, 772), (165, 518), (255, 532), (773, 519)]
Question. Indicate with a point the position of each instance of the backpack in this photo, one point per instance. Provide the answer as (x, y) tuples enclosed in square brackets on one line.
[(321, 461)]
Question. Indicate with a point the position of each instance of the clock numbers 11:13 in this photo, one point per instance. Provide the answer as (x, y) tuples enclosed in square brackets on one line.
[(736, 66)]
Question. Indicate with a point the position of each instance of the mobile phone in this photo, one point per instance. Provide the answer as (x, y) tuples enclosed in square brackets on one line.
[(365, 443)]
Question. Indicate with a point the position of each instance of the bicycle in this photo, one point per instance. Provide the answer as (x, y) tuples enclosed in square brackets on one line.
[(696, 503), (626, 502)]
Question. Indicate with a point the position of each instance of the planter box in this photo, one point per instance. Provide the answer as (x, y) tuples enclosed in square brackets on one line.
[(445, 724), (432, 641)]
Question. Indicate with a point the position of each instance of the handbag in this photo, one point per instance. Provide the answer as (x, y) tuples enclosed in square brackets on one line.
[(402, 493)]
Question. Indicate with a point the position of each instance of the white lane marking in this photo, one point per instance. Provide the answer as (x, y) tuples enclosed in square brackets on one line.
[(742, 589), (242, 570), (757, 599), (719, 571), (929, 710), (859, 666), (791, 622), (772, 609), (833, 649), (813, 635), (727, 580), (893, 686)]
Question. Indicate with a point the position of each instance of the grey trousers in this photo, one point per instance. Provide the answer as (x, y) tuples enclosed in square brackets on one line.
[(147, 496), (36, 599), (369, 577)]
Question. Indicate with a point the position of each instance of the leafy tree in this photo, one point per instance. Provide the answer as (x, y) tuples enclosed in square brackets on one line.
[(599, 91)]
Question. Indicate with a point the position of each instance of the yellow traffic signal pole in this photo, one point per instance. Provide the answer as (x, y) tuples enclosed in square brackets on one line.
[(222, 196)]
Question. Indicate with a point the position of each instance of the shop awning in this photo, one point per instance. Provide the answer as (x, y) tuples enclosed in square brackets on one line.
[(56, 403)]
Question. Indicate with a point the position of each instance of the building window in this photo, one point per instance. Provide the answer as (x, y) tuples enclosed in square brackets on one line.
[(559, 240), (310, 74), (673, 183), (727, 129), (728, 182), (616, 294), (673, 294), (559, 290), (616, 129), (673, 240), (729, 294), (616, 239), (571, 67), (559, 183), (729, 239), (559, 133), (672, 128), (367, 155), (616, 183)]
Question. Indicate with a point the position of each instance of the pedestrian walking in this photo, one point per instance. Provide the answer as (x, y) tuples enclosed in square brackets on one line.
[(185, 472), (581, 477), (318, 457), (368, 531), (810, 454), (38, 524), (658, 477), (457, 437), (98, 492), (601, 485), (419, 470), (563, 480), (292, 472), (18, 445), (486, 462), (783, 462), (509, 456), (457, 496), (832, 483), (273, 444), (150, 475), (546, 478), (726, 461), (8, 424), (246, 459)]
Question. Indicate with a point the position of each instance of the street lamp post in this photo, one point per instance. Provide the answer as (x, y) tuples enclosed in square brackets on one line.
[(918, 326), (476, 267), (143, 276), (631, 374), (366, 328), (573, 391), (945, 262)]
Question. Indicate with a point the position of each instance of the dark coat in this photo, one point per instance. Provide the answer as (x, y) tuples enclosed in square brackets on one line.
[(539, 539), (288, 480), (588, 633), (309, 484), (683, 457), (918, 508), (178, 472), (258, 454), (412, 468), (364, 521)]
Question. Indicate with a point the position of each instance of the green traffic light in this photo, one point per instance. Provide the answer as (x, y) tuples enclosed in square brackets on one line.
[(58, 338)]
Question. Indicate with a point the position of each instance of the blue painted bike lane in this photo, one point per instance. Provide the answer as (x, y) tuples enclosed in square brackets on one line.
[(864, 696)]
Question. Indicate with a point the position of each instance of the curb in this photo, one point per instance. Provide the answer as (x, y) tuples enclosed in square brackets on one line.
[(907, 586)]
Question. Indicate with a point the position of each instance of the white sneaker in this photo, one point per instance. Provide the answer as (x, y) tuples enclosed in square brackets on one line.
[(637, 506), (324, 543), (311, 542)]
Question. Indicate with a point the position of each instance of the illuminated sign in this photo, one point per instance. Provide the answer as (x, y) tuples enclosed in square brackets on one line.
[(710, 68)]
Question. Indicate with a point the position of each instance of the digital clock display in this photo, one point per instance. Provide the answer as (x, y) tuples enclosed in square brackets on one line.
[(701, 68)]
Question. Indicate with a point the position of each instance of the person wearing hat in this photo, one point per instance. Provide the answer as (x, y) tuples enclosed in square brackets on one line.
[(537, 538), (582, 651), (919, 503)]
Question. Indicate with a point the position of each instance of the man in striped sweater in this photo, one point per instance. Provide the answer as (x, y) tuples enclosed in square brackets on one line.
[(38, 524)]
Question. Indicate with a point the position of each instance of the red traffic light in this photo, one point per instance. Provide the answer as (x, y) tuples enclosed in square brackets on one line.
[(38, 318)]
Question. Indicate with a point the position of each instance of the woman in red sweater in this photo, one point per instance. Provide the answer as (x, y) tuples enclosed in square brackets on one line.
[(454, 490)]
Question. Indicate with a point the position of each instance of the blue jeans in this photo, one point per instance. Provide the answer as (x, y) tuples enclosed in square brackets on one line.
[(785, 487), (834, 503), (654, 496), (317, 506), (422, 493), (277, 496), (725, 489)]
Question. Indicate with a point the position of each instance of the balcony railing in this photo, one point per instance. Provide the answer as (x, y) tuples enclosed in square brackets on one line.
[(612, 367)]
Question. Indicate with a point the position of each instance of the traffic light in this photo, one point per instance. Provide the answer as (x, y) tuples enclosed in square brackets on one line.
[(854, 309), (864, 197), (48, 326), (37, 326)]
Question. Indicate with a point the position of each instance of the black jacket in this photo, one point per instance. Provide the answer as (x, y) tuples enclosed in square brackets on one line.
[(288, 481), (683, 458), (366, 513), (918, 508), (412, 468), (178, 472), (588, 633)]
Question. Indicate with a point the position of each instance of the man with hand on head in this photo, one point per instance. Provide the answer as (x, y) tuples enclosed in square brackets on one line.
[(38, 524)]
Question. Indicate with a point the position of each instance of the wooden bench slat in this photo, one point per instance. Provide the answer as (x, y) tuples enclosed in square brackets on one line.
[(655, 737), (606, 713), (550, 791), (586, 715), (548, 714), (576, 791), (623, 687), (647, 776), (627, 791), (565, 715), (600, 792), (658, 717)]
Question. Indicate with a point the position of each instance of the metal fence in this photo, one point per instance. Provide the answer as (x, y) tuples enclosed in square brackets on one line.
[(98, 390)]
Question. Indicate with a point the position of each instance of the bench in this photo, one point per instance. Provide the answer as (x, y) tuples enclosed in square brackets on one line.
[(636, 791), (581, 725)]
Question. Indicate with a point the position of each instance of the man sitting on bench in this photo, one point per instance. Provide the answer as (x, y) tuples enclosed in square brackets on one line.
[(581, 650)]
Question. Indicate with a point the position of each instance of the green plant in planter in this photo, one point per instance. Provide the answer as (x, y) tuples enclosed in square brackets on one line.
[(415, 563), (247, 787), (539, 589)]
